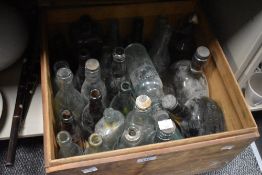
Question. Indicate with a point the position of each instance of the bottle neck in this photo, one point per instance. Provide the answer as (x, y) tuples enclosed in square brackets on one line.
[(96, 105), (197, 64), (64, 139), (165, 37), (92, 76), (119, 68), (179, 110), (68, 123), (65, 85)]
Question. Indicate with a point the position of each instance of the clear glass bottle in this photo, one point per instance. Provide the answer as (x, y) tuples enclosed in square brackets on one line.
[(159, 52), (95, 143), (68, 98), (110, 127), (142, 72), (93, 80), (68, 124), (124, 101), (119, 73), (206, 117), (80, 72), (188, 78), (57, 65), (141, 117), (131, 137), (67, 147), (92, 113), (165, 128)]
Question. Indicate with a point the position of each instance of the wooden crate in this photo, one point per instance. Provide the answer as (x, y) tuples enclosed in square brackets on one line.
[(186, 156)]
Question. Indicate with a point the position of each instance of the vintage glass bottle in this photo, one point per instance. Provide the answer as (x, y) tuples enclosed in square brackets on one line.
[(142, 73), (177, 111), (206, 117), (165, 128), (141, 117), (110, 127), (119, 73), (67, 147), (124, 101), (131, 137), (159, 52), (68, 97), (92, 113), (95, 142), (182, 44), (80, 72), (188, 78), (93, 80), (57, 65), (68, 124)]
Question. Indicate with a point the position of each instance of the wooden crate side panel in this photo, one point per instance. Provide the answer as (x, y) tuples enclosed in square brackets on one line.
[(47, 96), (182, 162)]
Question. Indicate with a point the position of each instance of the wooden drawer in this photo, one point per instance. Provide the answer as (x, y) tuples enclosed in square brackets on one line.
[(186, 156)]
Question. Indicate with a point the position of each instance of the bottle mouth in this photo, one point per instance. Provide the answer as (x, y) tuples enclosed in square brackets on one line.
[(64, 73), (66, 116), (132, 134), (143, 102), (95, 94), (125, 86), (119, 54), (92, 64), (63, 137), (169, 102), (95, 139)]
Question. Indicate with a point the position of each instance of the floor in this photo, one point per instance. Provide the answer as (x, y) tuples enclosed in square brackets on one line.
[(257, 147)]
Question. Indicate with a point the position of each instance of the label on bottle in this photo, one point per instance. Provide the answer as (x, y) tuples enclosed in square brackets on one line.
[(146, 159), (89, 170), (165, 124)]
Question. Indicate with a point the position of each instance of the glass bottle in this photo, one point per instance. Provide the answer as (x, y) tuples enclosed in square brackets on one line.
[(124, 101), (67, 147), (137, 30), (95, 143), (177, 112), (182, 44), (68, 97), (93, 80), (141, 117), (119, 73), (92, 113), (142, 72), (68, 124), (131, 137), (57, 65), (206, 117), (159, 52), (188, 78), (165, 128), (80, 72), (110, 127)]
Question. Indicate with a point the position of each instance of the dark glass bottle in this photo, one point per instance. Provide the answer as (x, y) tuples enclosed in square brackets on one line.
[(137, 33), (80, 72), (92, 113), (69, 124), (182, 44)]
